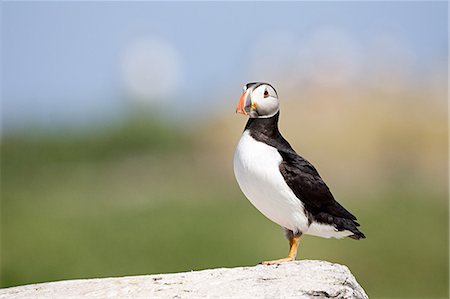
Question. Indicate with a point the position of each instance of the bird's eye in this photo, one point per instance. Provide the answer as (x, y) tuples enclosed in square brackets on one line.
[(266, 93)]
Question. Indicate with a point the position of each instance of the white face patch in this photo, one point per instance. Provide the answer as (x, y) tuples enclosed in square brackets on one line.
[(265, 98)]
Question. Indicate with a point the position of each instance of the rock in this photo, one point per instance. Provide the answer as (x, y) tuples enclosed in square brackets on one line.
[(300, 279)]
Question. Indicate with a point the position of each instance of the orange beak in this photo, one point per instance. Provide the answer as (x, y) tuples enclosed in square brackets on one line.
[(241, 105)]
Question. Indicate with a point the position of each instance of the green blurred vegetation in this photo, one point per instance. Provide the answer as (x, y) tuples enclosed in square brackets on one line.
[(141, 198)]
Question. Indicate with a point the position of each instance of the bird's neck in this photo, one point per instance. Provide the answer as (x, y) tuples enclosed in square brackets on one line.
[(264, 126)]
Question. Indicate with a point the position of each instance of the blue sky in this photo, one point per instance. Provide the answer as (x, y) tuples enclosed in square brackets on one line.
[(63, 62)]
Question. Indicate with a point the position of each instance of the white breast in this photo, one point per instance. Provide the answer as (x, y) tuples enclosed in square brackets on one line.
[(256, 167)]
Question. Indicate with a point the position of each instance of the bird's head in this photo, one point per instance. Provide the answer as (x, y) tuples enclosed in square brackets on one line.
[(259, 100)]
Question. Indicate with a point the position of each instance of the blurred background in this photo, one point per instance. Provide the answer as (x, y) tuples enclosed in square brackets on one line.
[(118, 132)]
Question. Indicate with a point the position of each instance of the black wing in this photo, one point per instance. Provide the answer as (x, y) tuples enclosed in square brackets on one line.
[(303, 178), (306, 183)]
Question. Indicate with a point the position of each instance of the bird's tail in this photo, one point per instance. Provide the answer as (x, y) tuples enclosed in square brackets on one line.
[(352, 226), (342, 224), (357, 235)]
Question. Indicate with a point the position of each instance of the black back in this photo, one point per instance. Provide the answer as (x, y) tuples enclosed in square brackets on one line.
[(303, 178)]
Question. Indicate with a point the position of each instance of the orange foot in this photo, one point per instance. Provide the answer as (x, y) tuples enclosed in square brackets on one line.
[(286, 259), (293, 244)]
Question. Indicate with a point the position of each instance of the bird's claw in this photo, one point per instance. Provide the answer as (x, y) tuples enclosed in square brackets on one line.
[(274, 262)]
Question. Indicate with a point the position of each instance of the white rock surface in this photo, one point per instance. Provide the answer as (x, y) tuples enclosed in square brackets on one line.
[(300, 279)]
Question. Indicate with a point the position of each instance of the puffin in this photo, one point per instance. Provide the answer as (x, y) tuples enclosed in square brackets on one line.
[(283, 186)]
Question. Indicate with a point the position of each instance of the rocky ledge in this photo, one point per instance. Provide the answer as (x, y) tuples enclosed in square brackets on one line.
[(299, 279)]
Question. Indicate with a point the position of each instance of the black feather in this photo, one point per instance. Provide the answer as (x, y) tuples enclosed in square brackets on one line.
[(304, 179)]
